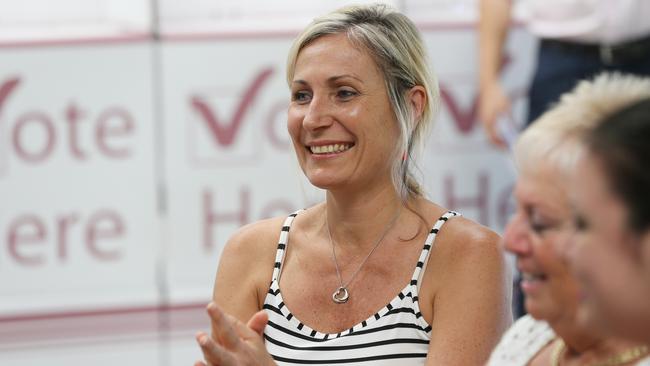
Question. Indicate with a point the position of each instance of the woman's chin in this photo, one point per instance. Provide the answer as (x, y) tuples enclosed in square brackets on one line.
[(321, 184), (325, 182), (541, 310), (586, 317)]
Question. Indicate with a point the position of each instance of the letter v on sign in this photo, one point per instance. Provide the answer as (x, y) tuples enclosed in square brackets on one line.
[(6, 88), (464, 120), (225, 132)]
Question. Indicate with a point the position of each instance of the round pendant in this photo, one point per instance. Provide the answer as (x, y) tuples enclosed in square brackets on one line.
[(340, 296)]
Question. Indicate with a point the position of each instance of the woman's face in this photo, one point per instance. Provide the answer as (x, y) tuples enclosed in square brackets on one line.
[(340, 119), (612, 263), (536, 232)]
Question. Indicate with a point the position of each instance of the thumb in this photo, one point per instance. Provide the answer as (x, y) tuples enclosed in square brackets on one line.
[(258, 322)]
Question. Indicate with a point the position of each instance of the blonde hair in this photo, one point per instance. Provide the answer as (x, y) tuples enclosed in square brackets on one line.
[(395, 45), (555, 137)]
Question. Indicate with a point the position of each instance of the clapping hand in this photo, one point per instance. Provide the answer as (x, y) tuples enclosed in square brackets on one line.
[(233, 342)]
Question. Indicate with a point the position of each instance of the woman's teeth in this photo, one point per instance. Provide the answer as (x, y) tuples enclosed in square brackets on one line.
[(327, 149)]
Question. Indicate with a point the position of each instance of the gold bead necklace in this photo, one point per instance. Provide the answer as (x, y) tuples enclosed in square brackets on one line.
[(629, 355)]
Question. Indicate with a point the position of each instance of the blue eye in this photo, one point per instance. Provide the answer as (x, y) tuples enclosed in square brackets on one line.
[(301, 96), (345, 94)]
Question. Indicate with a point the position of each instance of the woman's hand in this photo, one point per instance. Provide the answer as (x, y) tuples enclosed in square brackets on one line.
[(493, 103), (232, 342)]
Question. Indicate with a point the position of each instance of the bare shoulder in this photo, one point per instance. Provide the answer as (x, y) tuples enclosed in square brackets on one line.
[(464, 248), (256, 235), (468, 238), (462, 239), (467, 294), (253, 243), (245, 268)]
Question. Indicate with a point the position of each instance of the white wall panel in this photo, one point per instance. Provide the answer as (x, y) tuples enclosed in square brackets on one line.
[(44, 21), (200, 17), (229, 160), (78, 215)]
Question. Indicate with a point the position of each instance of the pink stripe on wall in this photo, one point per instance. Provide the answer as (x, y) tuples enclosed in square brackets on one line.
[(89, 325)]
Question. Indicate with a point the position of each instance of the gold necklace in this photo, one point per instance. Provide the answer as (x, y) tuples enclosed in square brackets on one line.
[(629, 355)]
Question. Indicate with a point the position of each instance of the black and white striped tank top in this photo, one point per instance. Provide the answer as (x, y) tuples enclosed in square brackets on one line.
[(395, 334)]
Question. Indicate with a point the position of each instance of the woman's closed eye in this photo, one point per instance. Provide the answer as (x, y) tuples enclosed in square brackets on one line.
[(540, 225), (580, 223)]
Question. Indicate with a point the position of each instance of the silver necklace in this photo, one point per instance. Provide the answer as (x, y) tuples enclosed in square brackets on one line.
[(342, 294)]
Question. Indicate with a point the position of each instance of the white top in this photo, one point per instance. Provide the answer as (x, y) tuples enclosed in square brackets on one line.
[(587, 21), (525, 338), (644, 362)]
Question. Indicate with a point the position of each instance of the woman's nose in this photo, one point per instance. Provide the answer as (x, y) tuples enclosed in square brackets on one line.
[(516, 237), (318, 114)]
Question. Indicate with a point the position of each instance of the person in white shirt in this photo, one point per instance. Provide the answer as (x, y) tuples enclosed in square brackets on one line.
[(578, 39)]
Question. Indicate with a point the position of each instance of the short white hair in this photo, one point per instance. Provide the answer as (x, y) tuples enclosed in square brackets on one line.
[(555, 137)]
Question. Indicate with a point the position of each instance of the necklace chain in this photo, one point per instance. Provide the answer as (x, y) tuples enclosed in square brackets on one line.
[(341, 295), (622, 358)]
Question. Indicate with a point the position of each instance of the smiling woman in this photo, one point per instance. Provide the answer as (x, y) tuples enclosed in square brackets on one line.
[(339, 99), (542, 227), (613, 223), (377, 274)]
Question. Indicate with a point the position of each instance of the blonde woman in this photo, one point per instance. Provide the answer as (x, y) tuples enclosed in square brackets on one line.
[(377, 274)]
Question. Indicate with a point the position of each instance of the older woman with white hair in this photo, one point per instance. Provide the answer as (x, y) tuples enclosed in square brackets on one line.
[(377, 274), (542, 227)]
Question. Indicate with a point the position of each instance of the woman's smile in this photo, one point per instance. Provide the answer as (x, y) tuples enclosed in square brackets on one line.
[(329, 149)]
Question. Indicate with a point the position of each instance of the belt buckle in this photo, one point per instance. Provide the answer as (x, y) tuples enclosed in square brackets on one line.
[(606, 53)]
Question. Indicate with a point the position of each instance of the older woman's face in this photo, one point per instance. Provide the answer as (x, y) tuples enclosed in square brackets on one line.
[(535, 234), (340, 118), (611, 262)]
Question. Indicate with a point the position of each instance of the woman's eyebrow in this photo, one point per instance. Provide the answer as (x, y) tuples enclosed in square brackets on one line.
[(343, 76)]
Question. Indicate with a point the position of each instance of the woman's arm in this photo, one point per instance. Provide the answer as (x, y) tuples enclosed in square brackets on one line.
[(245, 269), (494, 18), (242, 280), (234, 343), (472, 305)]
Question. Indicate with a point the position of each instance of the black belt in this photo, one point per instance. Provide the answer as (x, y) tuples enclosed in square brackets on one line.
[(615, 54)]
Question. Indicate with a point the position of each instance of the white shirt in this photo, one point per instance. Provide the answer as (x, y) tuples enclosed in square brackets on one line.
[(644, 362), (587, 21), (525, 338)]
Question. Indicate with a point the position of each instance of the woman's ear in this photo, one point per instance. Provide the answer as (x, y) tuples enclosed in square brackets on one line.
[(418, 100)]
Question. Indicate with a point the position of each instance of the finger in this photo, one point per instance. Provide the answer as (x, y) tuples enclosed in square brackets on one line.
[(243, 330), (222, 327), (200, 363), (213, 353), (258, 322), (493, 134)]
